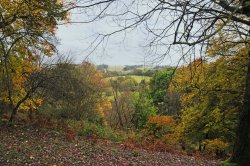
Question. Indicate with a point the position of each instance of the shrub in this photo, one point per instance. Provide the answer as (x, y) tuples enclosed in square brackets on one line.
[(159, 126), (90, 129), (215, 146)]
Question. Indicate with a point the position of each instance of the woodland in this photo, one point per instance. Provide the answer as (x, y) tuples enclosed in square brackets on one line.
[(61, 113)]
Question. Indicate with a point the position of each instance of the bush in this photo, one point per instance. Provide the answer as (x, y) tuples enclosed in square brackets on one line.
[(159, 126), (72, 92), (90, 129), (216, 147)]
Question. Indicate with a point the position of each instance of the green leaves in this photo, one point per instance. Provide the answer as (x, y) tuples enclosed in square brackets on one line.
[(144, 109), (158, 87)]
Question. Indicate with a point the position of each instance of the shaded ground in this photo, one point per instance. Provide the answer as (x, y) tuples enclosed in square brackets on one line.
[(32, 146)]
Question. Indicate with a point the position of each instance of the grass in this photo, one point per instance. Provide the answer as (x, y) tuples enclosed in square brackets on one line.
[(135, 154), (89, 129), (113, 149), (228, 163), (1, 148)]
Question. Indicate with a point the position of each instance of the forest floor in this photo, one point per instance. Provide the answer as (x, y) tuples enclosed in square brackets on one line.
[(22, 145)]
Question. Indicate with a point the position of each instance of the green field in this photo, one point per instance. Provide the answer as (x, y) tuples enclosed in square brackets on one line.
[(137, 78)]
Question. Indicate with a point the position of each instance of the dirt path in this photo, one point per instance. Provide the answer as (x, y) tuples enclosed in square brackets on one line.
[(30, 146)]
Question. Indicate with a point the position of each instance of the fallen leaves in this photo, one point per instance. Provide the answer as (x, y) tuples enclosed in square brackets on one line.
[(32, 146)]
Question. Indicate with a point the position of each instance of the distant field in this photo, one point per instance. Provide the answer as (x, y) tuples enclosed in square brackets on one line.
[(137, 78), (120, 68), (115, 68)]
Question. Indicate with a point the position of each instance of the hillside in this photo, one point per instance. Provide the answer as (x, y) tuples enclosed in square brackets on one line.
[(38, 146)]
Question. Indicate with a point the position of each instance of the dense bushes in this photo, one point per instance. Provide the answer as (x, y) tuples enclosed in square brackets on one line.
[(73, 92)]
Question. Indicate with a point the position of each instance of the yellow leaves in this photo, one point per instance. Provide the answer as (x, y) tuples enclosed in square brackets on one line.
[(107, 105), (31, 104), (215, 145), (39, 12), (103, 106), (20, 69), (188, 76), (100, 110), (172, 138), (188, 96), (20, 15)]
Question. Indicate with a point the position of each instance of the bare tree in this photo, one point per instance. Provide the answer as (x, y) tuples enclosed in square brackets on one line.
[(190, 24)]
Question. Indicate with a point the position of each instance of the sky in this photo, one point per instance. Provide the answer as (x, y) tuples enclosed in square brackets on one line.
[(119, 49), (74, 39)]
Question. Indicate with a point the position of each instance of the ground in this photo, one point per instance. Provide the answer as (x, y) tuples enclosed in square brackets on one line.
[(22, 145)]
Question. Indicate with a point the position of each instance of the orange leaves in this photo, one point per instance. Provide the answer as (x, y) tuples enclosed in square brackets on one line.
[(158, 126), (93, 76), (97, 79), (161, 120)]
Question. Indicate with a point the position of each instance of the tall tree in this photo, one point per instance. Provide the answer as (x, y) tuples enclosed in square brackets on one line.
[(210, 105), (27, 31)]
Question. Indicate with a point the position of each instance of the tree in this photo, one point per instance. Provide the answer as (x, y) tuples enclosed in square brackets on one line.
[(158, 88), (27, 31), (102, 67), (210, 105), (122, 109), (186, 23), (73, 92), (143, 108)]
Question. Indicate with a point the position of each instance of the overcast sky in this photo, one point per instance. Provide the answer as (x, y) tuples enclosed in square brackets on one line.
[(121, 49), (75, 39)]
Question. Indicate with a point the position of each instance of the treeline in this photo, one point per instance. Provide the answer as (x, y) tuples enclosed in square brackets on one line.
[(138, 70)]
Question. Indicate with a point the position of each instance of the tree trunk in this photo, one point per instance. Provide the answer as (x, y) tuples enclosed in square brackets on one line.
[(241, 153), (13, 114), (14, 110)]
